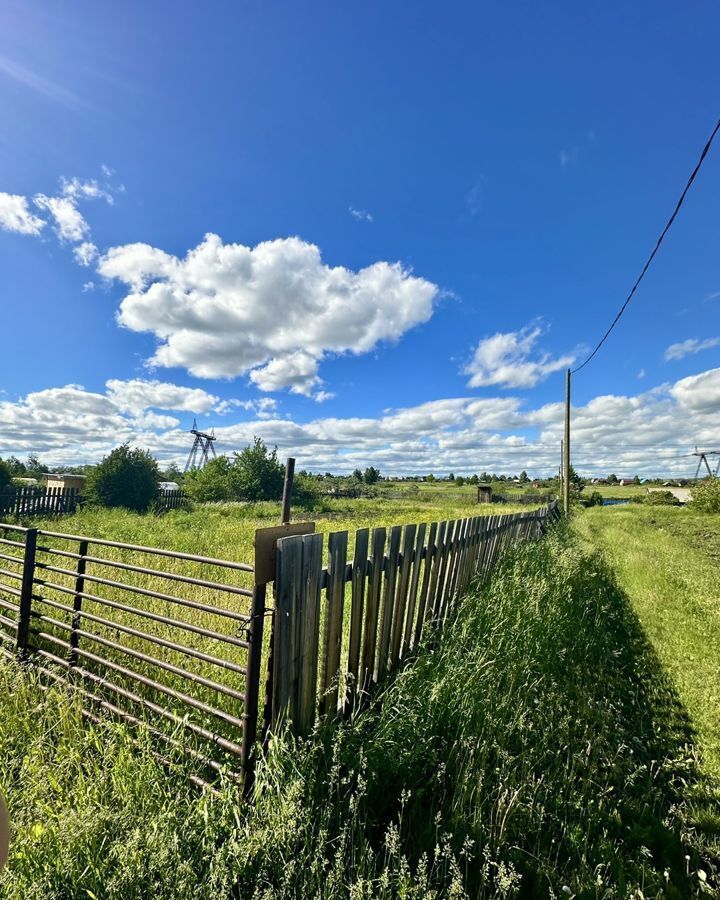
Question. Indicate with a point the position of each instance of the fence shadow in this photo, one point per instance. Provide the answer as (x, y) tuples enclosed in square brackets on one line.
[(538, 742)]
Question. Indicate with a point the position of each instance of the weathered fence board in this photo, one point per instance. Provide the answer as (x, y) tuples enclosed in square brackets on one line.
[(397, 591), (358, 579), (138, 649)]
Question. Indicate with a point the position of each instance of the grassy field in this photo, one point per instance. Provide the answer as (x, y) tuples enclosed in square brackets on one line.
[(210, 672), (225, 530), (537, 748), (616, 491), (666, 559)]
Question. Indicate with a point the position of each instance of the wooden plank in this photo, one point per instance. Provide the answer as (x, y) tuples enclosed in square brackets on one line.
[(495, 537), (442, 577), (436, 566), (372, 605), (413, 589), (309, 629), (408, 545), (390, 582), (471, 556), (425, 585), (457, 552), (265, 544), (465, 550), (479, 535), (358, 579), (286, 675), (333, 631), (487, 541)]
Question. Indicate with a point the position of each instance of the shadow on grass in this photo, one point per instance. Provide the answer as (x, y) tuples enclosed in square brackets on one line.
[(538, 747)]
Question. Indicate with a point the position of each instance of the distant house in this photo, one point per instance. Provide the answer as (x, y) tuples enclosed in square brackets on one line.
[(168, 486), (65, 480), (626, 481), (599, 481)]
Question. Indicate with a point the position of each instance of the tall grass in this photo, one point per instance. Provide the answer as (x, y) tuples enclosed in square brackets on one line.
[(533, 748)]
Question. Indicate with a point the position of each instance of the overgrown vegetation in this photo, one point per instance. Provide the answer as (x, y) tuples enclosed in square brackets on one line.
[(126, 478), (254, 474), (706, 496), (656, 498), (536, 749)]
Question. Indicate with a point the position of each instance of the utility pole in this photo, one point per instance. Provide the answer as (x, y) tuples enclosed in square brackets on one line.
[(566, 449), (561, 467)]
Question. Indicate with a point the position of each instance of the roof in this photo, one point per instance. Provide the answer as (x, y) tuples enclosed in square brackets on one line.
[(59, 475)]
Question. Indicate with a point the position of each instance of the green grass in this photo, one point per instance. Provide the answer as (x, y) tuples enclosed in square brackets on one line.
[(616, 490), (666, 559), (536, 748), (223, 531)]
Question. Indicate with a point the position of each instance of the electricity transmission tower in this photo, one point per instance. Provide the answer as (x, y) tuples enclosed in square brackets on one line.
[(201, 450), (703, 458)]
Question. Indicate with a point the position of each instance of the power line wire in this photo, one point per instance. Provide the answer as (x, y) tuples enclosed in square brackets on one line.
[(680, 202)]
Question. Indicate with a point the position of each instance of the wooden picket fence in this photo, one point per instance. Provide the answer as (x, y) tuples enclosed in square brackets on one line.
[(29, 500), (340, 629), (174, 641)]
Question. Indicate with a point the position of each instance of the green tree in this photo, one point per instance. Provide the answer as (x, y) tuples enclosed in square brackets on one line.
[(171, 472), (211, 484), (253, 474), (357, 475), (34, 468), (706, 495), (371, 476), (524, 477), (5, 474), (18, 469), (474, 479), (126, 478), (612, 478), (430, 479), (451, 477), (257, 473), (460, 481)]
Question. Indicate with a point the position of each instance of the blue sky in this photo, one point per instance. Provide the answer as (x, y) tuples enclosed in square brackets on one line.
[(420, 212)]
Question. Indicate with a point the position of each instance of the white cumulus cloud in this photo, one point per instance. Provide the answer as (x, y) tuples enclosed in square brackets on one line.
[(69, 222), (15, 215), (85, 253), (509, 360), (699, 393), (137, 395), (275, 310), (649, 433)]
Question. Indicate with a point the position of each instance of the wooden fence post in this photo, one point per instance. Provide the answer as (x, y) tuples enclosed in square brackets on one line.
[(26, 590)]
